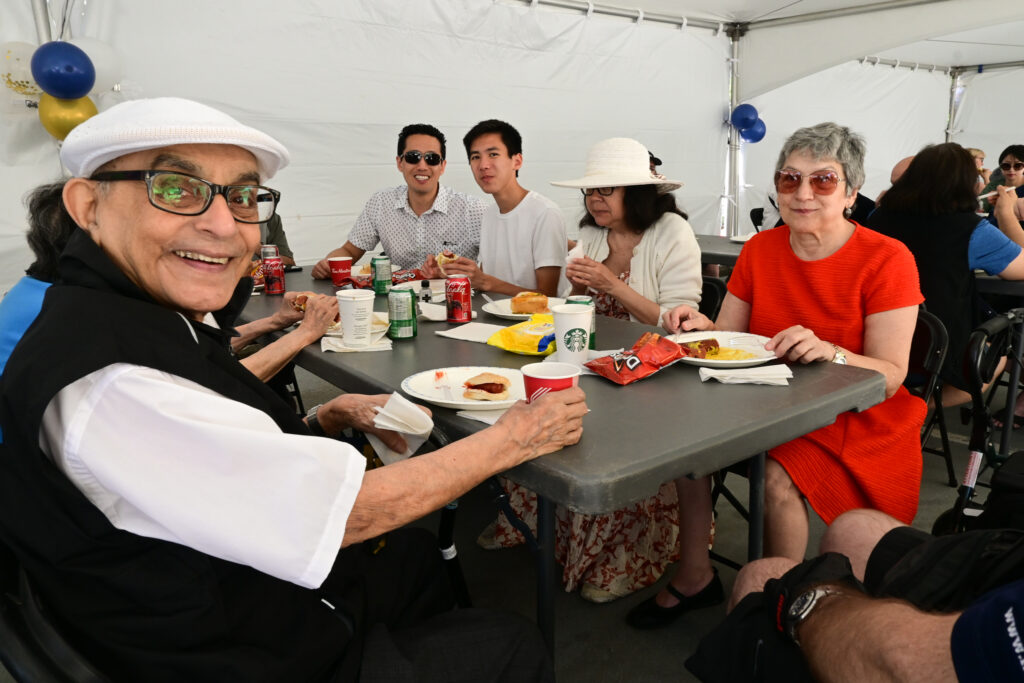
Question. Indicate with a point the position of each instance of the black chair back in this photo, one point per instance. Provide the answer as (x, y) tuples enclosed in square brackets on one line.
[(757, 217), (927, 354), (712, 294)]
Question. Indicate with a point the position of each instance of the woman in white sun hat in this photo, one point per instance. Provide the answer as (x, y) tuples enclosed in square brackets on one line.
[(639, 259)]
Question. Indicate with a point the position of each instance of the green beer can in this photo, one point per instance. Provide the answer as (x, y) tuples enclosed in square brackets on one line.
[(586, 300), (402, 313), (380, 268)]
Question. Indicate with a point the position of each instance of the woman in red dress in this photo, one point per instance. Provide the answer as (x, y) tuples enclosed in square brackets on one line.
[(823, 289)]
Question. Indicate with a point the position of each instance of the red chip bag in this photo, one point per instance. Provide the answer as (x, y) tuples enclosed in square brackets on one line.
[(651, 353)]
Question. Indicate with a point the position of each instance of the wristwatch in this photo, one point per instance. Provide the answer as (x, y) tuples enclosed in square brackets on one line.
[(314, 425), (840, 357), (803, 605)]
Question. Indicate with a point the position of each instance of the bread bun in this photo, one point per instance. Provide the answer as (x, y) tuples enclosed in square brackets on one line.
[(299, 302), (444, 256), (487, 386), (529, 302)]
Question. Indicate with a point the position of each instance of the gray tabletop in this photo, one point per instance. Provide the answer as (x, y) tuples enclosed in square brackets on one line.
[(636, 436), (721, 250)]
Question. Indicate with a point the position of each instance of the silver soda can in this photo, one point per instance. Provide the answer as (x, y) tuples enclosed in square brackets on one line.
[(380, 269), (402, 313), (269, 250), (586, 300)]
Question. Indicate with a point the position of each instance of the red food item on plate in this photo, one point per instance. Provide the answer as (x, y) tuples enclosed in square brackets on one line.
[(649, 354)]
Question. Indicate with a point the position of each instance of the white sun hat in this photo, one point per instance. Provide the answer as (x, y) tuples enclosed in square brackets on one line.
[(138, 125), (619, 162)]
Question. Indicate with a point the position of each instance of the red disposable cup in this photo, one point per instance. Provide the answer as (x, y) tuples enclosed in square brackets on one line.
[(341, 269), (543, 378)]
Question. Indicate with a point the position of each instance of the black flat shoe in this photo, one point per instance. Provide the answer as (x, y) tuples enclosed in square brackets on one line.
[(650, 615)]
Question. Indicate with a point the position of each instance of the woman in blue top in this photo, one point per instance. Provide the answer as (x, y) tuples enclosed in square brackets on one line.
[(931, 209)]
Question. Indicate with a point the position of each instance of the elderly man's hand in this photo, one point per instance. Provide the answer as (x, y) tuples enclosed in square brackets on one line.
[(286, 313), (546, 425), (321, 313), (357, 411), (685, 318)]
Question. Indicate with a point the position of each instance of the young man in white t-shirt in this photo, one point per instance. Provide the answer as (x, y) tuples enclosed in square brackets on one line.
[(522, 236)]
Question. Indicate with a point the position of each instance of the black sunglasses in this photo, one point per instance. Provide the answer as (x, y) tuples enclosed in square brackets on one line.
[(1016, 166), (432, 158), (603, 191)]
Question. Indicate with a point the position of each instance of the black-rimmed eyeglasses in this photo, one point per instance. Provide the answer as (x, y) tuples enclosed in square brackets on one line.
[(188, 195), (432, 158), (603, 191)]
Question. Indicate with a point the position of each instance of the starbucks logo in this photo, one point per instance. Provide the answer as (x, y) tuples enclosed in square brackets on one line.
[(575, 339)]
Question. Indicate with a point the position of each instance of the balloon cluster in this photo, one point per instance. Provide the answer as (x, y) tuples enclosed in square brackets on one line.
[(62, 75), (745, 119)]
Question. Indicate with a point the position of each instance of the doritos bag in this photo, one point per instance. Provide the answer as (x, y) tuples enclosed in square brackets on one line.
[(651, 353), (534, 337)]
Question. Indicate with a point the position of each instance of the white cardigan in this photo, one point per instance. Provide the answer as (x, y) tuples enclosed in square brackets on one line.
[(665, 267)]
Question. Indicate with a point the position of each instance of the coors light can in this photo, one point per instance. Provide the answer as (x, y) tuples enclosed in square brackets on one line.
[(458, 299)]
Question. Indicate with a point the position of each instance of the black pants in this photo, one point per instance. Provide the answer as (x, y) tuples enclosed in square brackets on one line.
[(399, 601)]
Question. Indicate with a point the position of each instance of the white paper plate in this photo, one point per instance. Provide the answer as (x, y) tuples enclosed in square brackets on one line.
[(421, 386), (741, 238), (503, 308), (745, 341)]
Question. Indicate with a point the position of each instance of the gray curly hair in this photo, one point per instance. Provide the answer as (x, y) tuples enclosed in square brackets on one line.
[(830, 141)]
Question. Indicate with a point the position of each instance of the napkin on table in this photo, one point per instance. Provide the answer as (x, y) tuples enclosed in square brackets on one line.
[(435, 312), (475, 332), (575, 252), (591, 355), (777, 375), (338, 344), (400, 415)]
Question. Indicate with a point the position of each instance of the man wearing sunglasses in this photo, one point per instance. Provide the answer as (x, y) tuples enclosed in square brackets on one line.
[(1011, 165), (522, 235), (177, 518), (415, 221)]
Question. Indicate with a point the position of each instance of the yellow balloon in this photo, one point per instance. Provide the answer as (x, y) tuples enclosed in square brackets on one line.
[(59, 116)]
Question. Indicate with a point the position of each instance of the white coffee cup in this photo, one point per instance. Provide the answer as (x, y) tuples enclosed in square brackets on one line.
[(572, 332), (355, 306)]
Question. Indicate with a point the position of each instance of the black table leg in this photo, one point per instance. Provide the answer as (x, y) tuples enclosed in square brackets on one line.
[(546, 575), (755, 523)]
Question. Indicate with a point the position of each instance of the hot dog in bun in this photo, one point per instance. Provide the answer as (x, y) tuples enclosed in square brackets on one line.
[(486, 386)]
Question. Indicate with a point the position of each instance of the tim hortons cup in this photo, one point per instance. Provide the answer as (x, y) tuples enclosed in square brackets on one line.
[(572, 332), (341, 269), (355, 306), (543, 378)]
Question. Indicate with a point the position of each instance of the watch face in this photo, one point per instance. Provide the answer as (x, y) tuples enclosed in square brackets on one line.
[(802, 602)]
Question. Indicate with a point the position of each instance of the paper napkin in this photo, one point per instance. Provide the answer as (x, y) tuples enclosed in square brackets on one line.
[(474, 332), (435, 312), (591, 355), (575, 252), (778, 375), (338, 344), (400, 415)]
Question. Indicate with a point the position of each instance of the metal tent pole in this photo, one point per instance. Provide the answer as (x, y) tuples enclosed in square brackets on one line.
[(954, 84), (732, 191), (42, 18)]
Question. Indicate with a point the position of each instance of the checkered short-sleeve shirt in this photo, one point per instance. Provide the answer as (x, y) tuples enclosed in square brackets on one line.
[(453, 222)]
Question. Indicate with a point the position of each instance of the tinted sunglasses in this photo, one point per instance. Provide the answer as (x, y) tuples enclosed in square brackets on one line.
[(603, 191), (432, 158), (1016, 166), (826, 182)]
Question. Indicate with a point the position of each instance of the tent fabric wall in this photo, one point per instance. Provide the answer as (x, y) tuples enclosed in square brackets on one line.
[(335, 82), (898, 111), (987, 118)]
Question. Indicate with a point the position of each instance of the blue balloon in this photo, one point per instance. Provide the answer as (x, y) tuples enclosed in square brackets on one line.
[(755, 133), (63, 70), (743, 116)]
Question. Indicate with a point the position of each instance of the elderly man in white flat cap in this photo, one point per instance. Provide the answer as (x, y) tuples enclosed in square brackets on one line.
[(175, 515)]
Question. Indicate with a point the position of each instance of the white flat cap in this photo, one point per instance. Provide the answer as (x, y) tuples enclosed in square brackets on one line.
[(138, 125)]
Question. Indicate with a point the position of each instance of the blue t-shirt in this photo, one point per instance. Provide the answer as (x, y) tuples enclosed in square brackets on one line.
[(990, 250), (987, 642)]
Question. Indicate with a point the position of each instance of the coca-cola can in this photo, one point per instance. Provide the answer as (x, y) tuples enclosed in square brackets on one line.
[(458, 299), (273, 275)]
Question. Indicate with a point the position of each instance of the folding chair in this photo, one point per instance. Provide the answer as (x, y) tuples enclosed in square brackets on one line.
[(712, 294), (31, 647), (927, 354)]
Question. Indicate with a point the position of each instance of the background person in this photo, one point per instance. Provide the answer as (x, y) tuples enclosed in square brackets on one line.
[(272, 232), (931, 209), (413, 222), (823, 289), (641, 257), (522, 235), (1011, 174), (195, 529)]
